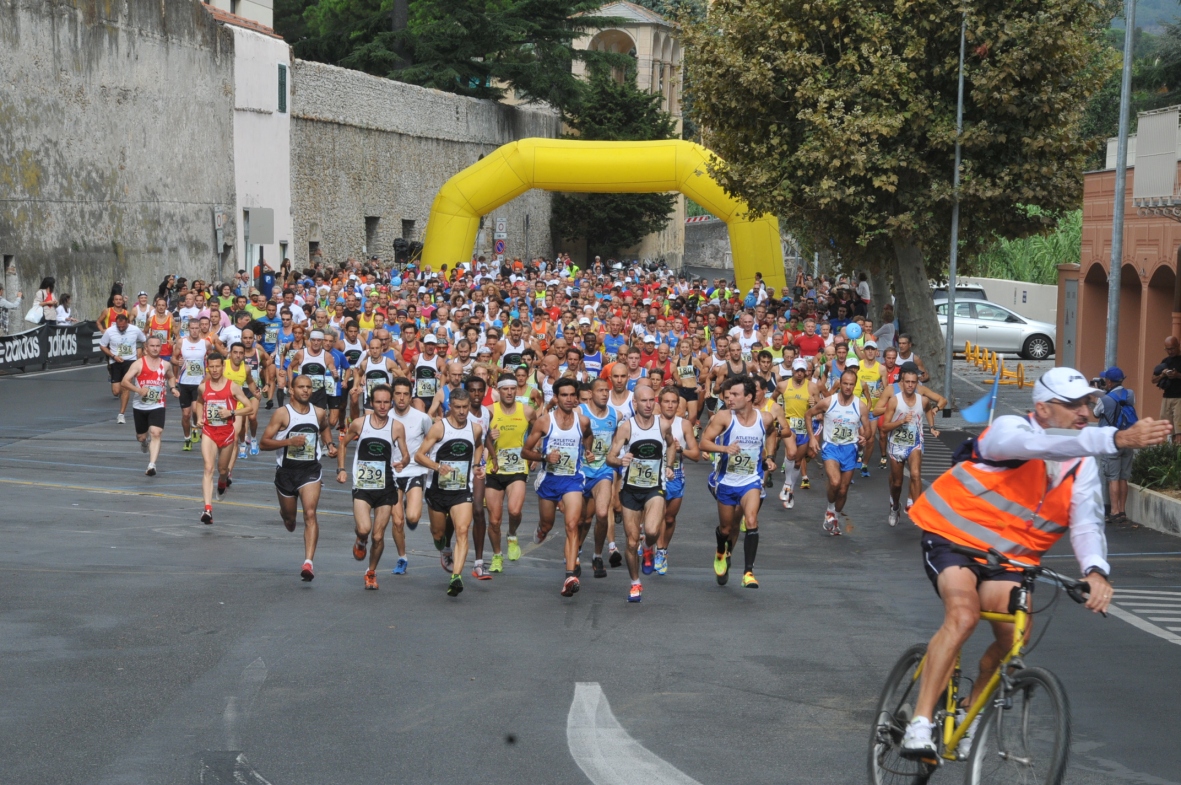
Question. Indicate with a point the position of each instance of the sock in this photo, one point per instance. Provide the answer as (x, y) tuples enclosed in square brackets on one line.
[(832, 507), (723, 540), (512, 538), (479, 562), (455, 577), (569, 573), (611, 545), (440, 543), (662, 550), (750, 546), (308, 562), (636, 582), (208, 508)]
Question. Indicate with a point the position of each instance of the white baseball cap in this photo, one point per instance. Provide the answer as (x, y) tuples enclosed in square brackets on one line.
[(799, 364), (649, 339), (584, 320), (852, 362), (430, 338), (1062, 384)]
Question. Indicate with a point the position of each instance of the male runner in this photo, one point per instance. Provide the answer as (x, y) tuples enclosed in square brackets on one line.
[(452, 451), (258, 362), (316, 364), (797, 393), (120, 343), (902, 422), (599, 478), (871, 379), (189, 360), (685, 446), (508, 473), (298, 429), (558, 441), (749, 438), (217, 413), (147, 379), (477, 387), (906, 355), (374, 492), (425, 370), (845, 427), (370, 371), (412, 478)]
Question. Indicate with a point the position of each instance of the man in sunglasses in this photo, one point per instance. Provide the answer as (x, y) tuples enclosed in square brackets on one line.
[(1025, 482)]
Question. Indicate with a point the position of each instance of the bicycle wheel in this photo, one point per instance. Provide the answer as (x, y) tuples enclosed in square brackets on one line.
[(894, 710), (1028, 742)]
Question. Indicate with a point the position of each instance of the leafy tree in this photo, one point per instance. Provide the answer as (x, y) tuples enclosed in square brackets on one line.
[(614, 109), (839, 115)]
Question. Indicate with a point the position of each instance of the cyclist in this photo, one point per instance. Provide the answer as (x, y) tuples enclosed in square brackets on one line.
[(1020, 489)]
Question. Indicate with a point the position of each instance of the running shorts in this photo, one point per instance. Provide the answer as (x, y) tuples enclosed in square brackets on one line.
[(731, 495), (801, 439), (288, 481), (405, 484), (591, 478), (501, 482), (319, 398), (377, 498), (674, 489), (117, 370), (938, 556), (635, 500), (222, 435), (443, 501), (553, 488), (900, 452), (147, 418), (336, 403), (844, 454), (688, 393), (188, 394)]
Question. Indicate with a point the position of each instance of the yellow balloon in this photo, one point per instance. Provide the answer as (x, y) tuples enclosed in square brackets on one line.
[(597, 167)]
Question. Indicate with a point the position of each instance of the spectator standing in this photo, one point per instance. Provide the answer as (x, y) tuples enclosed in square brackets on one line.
[(44, 308), (1116, 408), (1167, 376), (863, 294), (5, 306)]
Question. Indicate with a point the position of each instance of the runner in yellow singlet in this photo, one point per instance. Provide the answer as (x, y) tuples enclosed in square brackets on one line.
[(508, 472), (871, 381), (797, 393)]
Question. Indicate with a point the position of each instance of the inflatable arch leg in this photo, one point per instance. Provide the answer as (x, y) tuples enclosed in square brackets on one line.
[(597, 167)]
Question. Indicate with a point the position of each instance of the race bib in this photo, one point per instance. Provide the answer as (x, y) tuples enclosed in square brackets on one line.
[(329, 383), (369, 476), (599, 447), (686, 372), (796, 424), (644, 473), (426, 388), (904, 436), (141, 322), (843, 433), (747, 357), (154, 394), (317, 382), (875, 388), (510, 461), (213, 411), (745, 463), (305, 452), (456, 479), (254, 374), (610, 356), (271, 335), (370, 384), (194, 368), (567, 465), (126, 350), (161, 334)]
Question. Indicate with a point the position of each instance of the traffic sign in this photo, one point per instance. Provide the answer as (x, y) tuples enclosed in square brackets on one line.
[(499, 247), (501, 226), (500, 236)]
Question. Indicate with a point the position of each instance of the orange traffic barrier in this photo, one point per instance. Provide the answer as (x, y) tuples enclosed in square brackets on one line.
[(1016, 376)]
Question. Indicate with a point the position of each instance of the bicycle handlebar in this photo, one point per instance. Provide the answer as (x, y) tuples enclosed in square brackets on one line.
[(1076, 590)]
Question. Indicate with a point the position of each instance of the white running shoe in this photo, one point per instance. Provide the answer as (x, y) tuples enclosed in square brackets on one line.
[(151, 472), (143, 446), (784, 492), (893, 519), (919, 741), (965, 746), (832, 524), (121, 420), (790, 501)]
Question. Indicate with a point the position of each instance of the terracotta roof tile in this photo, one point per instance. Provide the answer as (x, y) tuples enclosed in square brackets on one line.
[(225, 17)]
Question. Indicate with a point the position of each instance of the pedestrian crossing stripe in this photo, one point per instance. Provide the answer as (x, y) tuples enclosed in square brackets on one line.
[(1152, 610)]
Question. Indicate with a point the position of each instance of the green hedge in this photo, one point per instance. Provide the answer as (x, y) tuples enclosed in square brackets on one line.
[(1158, 468)]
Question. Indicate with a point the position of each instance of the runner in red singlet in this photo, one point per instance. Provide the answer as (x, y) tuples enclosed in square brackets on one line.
[(216, 411)]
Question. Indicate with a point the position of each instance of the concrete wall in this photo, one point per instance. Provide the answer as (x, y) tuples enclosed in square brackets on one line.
[(114, 128), (707, 244), (1031, 300), (262, 144), (365, 147)]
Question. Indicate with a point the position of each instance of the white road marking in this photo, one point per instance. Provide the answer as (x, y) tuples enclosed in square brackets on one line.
[(35, 374), (605, 752), (1144, 624)]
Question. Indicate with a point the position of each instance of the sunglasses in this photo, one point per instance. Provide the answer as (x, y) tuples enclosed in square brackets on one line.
[(1076, 404)]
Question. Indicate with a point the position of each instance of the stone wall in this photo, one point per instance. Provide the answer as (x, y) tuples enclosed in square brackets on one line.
[(115, 128), (707, 244), (370, 148)]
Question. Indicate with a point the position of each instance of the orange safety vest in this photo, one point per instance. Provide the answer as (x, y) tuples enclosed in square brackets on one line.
[(1012, 509)]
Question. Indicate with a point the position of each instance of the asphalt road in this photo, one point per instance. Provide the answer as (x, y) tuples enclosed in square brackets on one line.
[(138, 646)]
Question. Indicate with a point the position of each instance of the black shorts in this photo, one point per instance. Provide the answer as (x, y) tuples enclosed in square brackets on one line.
[(634, 499), (712, 404), (375, 499), (405, 484), (188, 394), (501, 482), (688, 393), (319, 398), (938, 556), (336, 402), (288, 481), (116, 371), (147, 418), (443, 501)]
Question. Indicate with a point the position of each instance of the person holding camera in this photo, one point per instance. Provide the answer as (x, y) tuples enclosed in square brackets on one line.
[(1167, 376), (1116, 408)]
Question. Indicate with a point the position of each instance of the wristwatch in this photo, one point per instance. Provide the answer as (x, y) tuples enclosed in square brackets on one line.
[(1102, 572)]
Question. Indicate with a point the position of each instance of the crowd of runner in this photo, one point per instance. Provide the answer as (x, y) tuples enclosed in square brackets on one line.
[(454, 387)]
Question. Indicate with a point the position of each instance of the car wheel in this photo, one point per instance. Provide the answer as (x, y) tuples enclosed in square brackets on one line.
[(1037, 347)]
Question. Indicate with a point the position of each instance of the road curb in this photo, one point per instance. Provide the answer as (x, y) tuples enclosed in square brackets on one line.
[(1154, 510)]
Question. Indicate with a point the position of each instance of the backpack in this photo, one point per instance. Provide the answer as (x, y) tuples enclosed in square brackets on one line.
[(1124, 416)]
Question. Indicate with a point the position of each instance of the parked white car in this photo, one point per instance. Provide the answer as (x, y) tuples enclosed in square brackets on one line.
[(997, 328)]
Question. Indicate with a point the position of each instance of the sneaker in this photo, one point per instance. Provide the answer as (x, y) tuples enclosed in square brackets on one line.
[(965, 746), (207, 517), (270, 404), (143, 446), (882, 463), (359, 549), (370, 580), (893, 517), (401, 565), (918, 741), (749, 581), (121, 420), (864, 470), (230, 481), (790, 501), (538, 537), (242, 450), (635, 593), (805, 483), (570, 586), (832, 524), (514, 550), (597, 566), (497, 563), (254, 446), (646, 560), (447, 561), (151, 472), (784, 492), (577, 569), (722, 567), (289, 525), (615, 558), (909, 504), (188, 445), (481, 573), (742, 524), (221, 490), (306, 572), (661, 563), (455, 586)]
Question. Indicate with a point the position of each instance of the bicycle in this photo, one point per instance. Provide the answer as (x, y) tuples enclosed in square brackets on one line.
[(1024, 731)]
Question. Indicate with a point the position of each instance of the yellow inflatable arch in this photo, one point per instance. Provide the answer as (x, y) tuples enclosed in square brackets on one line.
[(597, 167)]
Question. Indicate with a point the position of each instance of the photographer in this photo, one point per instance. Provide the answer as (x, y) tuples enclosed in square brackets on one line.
[(1116, 408), (1167, 376)]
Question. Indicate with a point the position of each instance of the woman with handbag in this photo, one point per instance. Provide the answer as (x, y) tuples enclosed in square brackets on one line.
[(44, 310)]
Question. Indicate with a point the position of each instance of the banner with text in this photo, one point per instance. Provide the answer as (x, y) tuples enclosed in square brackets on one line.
[(49, 345)]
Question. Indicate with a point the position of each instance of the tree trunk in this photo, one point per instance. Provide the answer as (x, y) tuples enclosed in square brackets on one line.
[(879, 290), (916, 309)]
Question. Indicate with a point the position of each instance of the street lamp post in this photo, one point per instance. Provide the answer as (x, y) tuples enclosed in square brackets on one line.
[(949, 340), (1121, 189)]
